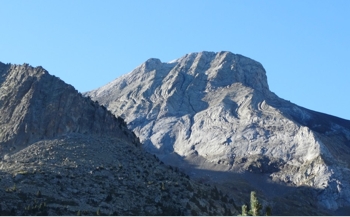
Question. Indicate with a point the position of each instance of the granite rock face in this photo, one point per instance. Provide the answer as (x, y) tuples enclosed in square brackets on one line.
[(215, 110), (64, 154)]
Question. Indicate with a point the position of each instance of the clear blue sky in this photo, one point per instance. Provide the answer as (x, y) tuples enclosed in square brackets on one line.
[(303, 45)]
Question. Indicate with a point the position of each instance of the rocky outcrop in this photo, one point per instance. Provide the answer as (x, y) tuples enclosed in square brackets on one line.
[(64, 154), (216, 110)]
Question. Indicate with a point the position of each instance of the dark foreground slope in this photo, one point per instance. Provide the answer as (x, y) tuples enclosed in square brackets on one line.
[(63, 154), (213, 115)]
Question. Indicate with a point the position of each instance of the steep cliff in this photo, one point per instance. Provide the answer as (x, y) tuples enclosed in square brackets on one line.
[(215, 111)]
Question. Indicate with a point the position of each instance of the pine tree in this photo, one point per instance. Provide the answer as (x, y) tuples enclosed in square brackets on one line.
[(244, 210), (268, 211), (255, 206)]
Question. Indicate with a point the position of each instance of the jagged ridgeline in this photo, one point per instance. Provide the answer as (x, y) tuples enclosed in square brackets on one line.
[(36, 105), (214, 115), (64, 154)]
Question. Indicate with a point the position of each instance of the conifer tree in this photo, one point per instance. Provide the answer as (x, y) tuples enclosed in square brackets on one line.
[(244, 210), (255, 206), (268, 211)]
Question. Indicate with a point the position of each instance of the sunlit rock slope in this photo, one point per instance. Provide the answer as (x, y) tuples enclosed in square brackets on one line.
[(215, 110)]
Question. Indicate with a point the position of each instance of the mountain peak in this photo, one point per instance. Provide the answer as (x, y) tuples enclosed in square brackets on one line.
[(220, 68), (36, 105), (215, 110), (151, 64)]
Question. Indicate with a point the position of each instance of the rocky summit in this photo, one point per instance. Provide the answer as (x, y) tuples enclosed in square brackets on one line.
[(64, 154), (213, 115)]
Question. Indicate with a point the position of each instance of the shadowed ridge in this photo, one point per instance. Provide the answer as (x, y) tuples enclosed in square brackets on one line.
[(2, 64), (37, 105)]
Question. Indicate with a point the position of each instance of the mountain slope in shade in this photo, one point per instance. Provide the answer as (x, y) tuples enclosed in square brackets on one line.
[(36, 105), (63, 154), (215, 112)]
